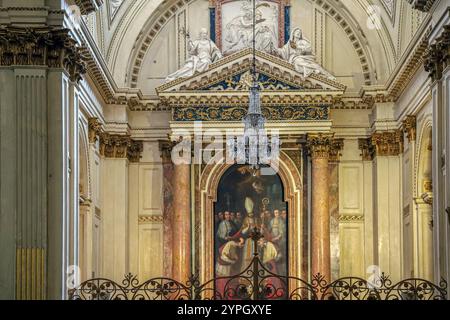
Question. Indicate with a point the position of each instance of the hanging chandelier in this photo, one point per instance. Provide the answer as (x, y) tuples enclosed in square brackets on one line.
[(252, 148)]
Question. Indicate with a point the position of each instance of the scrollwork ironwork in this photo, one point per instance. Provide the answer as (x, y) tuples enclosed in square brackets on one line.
[(257, 282)]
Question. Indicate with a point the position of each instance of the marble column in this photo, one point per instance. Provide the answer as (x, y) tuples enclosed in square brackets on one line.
[(319, 147), (165, 147), (333, 165), (181, 241)]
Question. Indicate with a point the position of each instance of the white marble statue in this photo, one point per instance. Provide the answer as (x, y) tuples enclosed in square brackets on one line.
[(298, 51), (202, 53)]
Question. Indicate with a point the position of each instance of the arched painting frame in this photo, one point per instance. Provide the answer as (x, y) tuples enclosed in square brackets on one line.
[(206, 196)]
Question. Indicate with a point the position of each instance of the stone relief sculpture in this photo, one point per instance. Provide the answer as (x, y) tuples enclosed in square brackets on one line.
[(238, 31), (202, 53), (115, 6), (298, 51)]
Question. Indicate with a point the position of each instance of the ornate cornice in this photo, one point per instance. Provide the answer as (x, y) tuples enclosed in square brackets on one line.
[(319, 145), (151, 219), (53, 48), (88, 6), (95, 129), (388, 143), (381, 143), (335, 149), (291, 113), (120, 146), (166, 13), (422, 5), (350, 218), (367, 149), (437, 57), (410, 127), (165, 147)]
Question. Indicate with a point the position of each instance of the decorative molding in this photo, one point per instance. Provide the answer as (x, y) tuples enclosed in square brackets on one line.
[(353, 35), (422, 5), (95, 129), (335, 149), (241, 62), (351, 218), (165, 147), (428, 186), (390, 6), (217, 4), (381, 143), (114, 6), (410, 127), (42, 46), (319, 145), (88, 6), (388, 143), (438, 55), (427, 197), (151, 219), (367, 149), (292, 113), (411, 61), (120, 146), (165, 14)]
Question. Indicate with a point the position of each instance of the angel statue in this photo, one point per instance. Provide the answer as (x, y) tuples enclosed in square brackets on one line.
[(202, 53), (298, 51)]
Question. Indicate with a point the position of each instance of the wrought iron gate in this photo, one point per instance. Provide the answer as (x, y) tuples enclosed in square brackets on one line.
[(256, 282)]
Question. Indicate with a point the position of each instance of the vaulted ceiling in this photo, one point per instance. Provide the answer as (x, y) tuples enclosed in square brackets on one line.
[(378, 31)]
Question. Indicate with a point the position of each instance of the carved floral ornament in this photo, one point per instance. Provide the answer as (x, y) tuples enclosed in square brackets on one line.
[(381, 143), (410, 127), (114, 146), (437, 57), (88, 6), (422, 5), (324, 145), (53, 48)]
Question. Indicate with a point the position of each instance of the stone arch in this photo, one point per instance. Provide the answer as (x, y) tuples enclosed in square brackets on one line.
[(424, 204), (207, 196), (83, 159), (424, 158), (166, 10)]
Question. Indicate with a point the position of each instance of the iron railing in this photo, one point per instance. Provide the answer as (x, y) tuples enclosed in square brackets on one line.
[(256, 282)]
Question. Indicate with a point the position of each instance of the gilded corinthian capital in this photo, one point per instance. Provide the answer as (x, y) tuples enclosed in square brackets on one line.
[(388, 143), (319, 144), (42, 46)]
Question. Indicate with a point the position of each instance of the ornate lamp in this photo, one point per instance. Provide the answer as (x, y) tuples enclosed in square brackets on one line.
[(252, 148)]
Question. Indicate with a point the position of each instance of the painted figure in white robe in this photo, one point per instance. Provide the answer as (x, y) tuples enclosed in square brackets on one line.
[(298, 51), (228, 257), (248, 225), (202, 53)]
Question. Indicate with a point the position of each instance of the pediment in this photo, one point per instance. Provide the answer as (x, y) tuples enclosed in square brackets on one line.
[(230, 76)]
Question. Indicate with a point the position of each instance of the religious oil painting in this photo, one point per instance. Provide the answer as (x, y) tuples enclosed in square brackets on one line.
[(237, 25), (249, 199)]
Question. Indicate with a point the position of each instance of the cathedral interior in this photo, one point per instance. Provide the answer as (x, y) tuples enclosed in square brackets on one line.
[(126, 134)]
